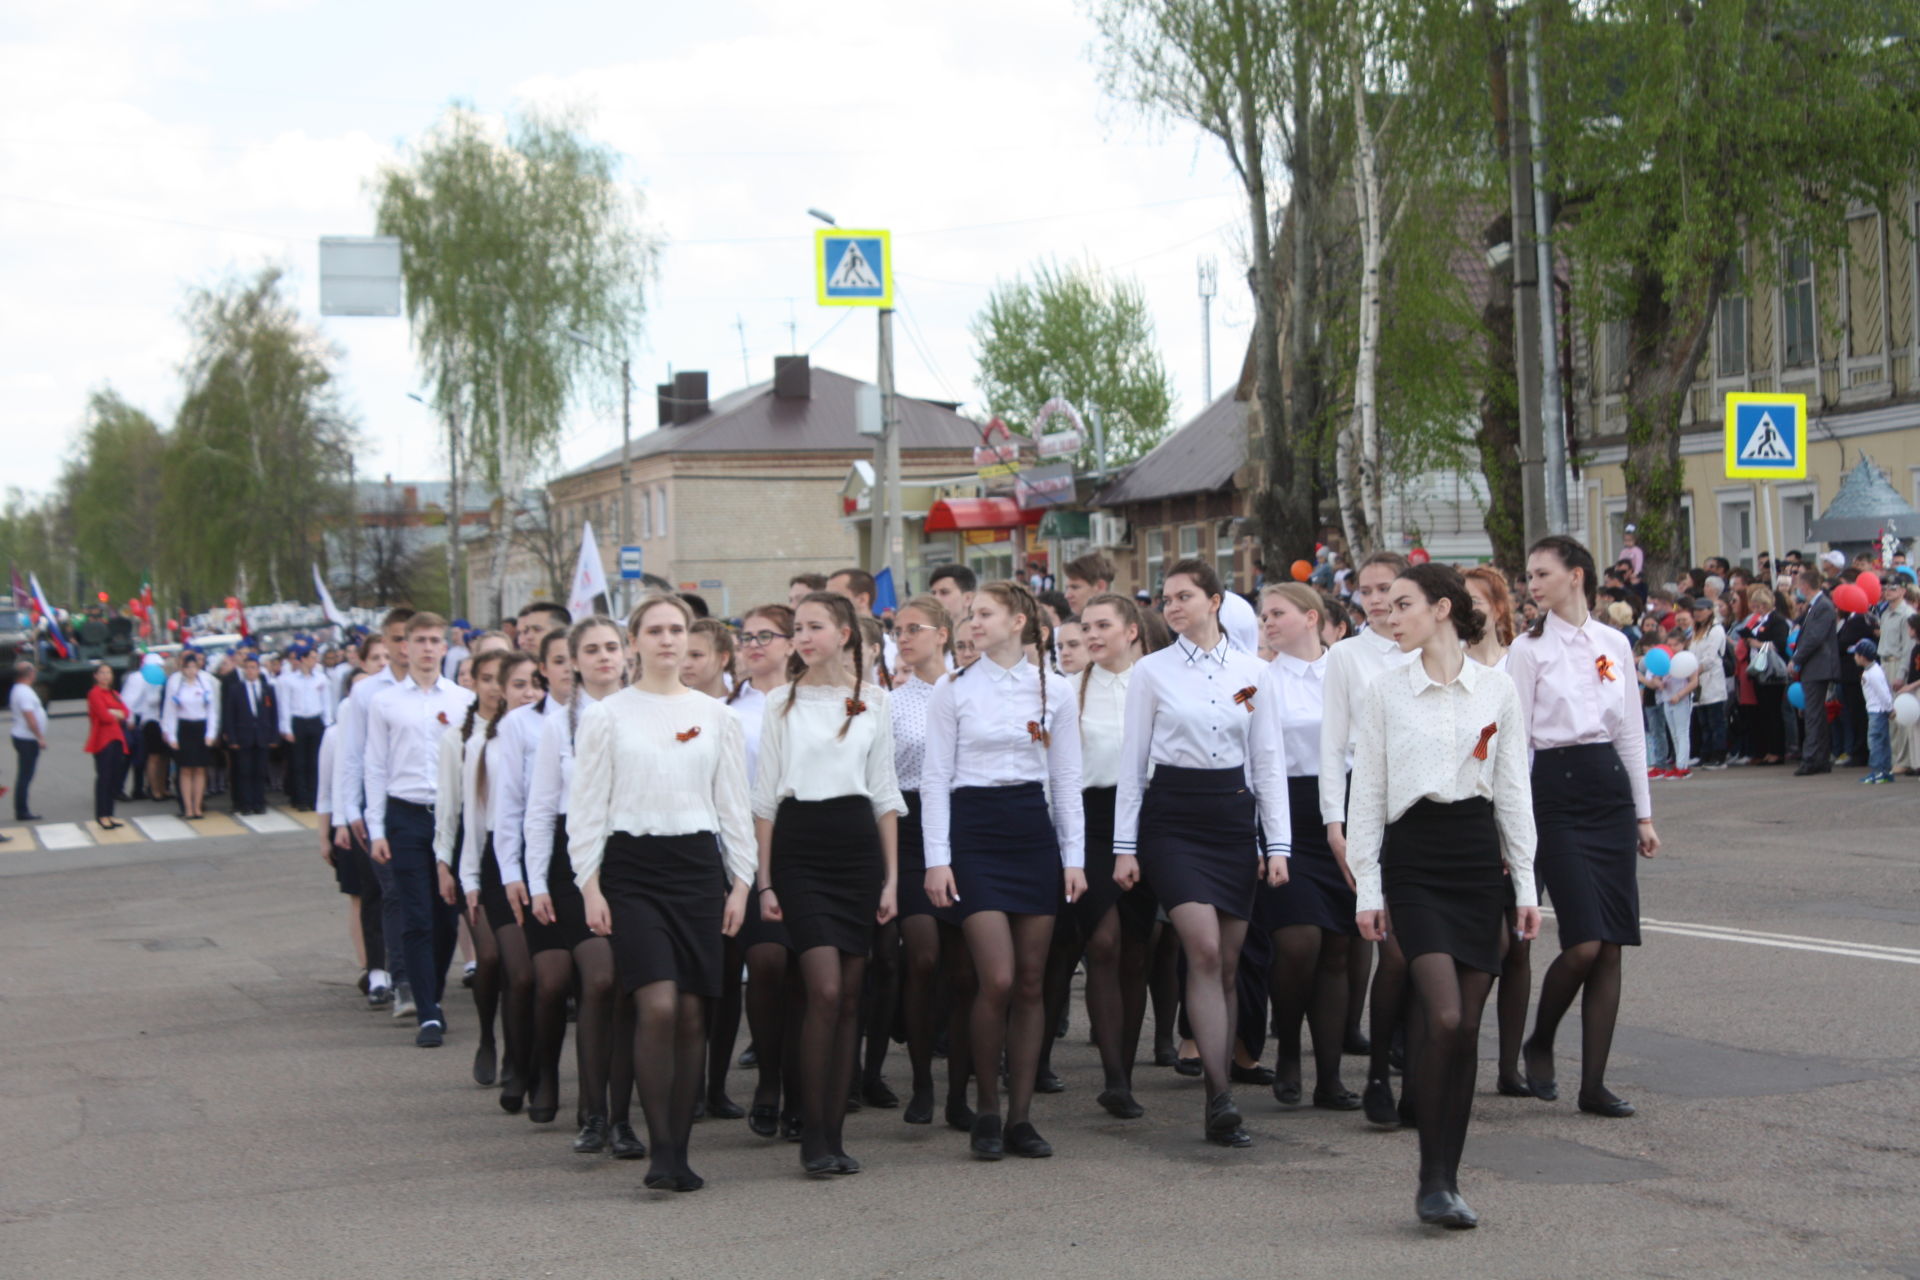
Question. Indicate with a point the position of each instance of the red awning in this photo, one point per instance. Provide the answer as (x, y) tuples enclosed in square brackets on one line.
[(979, 513)]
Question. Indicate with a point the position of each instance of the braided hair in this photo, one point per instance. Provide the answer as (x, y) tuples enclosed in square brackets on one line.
[(1015, 598), (1129, 617), (782, 619), (843, 617), (510, 661), (871, 633), (492, 657)]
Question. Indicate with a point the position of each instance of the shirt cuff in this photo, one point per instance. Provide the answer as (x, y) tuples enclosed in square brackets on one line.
[(940, 856)]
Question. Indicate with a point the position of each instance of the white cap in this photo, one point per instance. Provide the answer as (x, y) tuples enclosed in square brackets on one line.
[(1838, 559), (1631, 529)]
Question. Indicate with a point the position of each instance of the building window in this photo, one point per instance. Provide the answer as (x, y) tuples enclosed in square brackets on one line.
[(1736, 527), (1156, 558), (1223, 556), (1730, 340), (1189, 541), (1796, 518), (660, 511), (646, 516), (1616, 371), (1796, 305)]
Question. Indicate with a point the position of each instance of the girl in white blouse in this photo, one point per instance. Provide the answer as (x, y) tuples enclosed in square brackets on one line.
[(825, 804), (1312, 914), (190, 722), (1439, 817), (1194, 725), (999, 736), (459, 755), (662, 849), (708, 667)]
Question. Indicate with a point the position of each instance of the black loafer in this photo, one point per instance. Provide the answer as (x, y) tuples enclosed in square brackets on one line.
[(1377, 1102), (687, 1180), (959, 1115), (626, 1144), (820, 1166), (791, 1126), (1443, 1209), (1286, 1092), (484, 1066), (1255, 1074), (1513, 1089), (1121, 1105), (724, 1108), (1188, 1067), (1356, 1046), (1336, 1099), (875, 1093), (1223, 1119), (844, 1164), (1045, 1081), (1024, 1140), (764, 1121), (1465, 1219), (592, 1138), (1611, 1108), (986, 1142), (919, 1109)]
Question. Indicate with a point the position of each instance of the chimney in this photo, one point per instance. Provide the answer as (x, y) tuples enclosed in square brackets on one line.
[(665, 391), (689, 396), (792, 378)]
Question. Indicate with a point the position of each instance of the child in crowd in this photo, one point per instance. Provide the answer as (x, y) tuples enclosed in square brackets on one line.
[(1879, 698)]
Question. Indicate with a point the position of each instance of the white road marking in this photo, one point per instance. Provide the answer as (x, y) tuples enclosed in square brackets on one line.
[(62, 835), (163, 826), (269, 823), (1784, 941)]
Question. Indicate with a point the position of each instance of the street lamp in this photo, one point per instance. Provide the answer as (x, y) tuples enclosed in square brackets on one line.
[(823, 216), (626, 454), (454, 507)]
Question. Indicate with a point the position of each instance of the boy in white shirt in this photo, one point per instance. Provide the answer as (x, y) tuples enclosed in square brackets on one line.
[(1879, 697)]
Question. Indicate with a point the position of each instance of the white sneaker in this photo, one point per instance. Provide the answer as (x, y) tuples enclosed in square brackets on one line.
[(403, 1006)]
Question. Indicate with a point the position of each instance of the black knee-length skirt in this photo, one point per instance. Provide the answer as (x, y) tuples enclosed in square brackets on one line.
[(828, 871), (193, 752), (1445, 883), (1587, 859), (569, 927), (1315, 892), (1198, 839), (913, 899), (667, 896), (1006, 856), (1102, 894), (758, 931), (493, 892)]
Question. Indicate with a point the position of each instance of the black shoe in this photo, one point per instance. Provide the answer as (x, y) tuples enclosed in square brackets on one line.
[(626, 1144), (1611, 1107), (820, 1166), (1165, 1057), (592, 1138), (1541, 1086), (1286, 1092), (1407, 1118), (484, 1066), (699, 1108), (688, 1180), (1255, 1074), (791, 1126), (1024, 1140), (1445, 1209), (876, 1094), (721, 1107), (1337, 1099), (853, 1100), (749, 1059), (1121, 1105), (364, 980), (430, 1036), (542, 1115), (28, 817), (1063, 1026), (1223, 1121), (1377, 1102), (919, 1109), (764, 1121), (663, 1181), (1357, 1045), (986, 1143), (1188, 1067), (844, 1163), (1045, 1081), (959, 1115), (1512, 1088), (1808, 770)]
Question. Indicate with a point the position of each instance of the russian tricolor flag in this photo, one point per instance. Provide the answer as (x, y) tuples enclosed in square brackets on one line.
[(41, 609)]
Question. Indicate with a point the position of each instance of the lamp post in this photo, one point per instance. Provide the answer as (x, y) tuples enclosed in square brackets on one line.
[(626, 456), (454, 509)]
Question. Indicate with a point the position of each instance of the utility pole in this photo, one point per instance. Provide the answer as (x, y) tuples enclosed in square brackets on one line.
[(1553, 422), (626, 478), (1526, 303), (1209, 285), (895, 555), (454, 513)]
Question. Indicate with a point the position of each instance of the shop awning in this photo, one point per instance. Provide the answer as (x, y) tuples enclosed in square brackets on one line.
[(1066, 525), (951, 514)]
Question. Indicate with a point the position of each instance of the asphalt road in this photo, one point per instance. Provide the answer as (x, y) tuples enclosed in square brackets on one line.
[(191, 1087)]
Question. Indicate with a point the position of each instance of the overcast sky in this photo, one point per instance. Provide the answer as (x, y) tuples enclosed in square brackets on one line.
[(150, 145)]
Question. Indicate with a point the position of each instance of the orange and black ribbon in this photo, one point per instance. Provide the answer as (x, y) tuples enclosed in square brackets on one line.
[(688, 736), (1604, 665), (1246, 696), (1038, 734), (855, 706), (1486, 736)]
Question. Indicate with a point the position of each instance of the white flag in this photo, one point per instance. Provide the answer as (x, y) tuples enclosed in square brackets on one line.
[(590, 579), (327, 606)]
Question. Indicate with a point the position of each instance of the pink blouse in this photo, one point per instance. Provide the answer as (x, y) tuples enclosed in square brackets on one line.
[(1577, 687)]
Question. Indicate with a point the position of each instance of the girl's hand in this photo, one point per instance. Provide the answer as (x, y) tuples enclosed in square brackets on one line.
[(734, 914), (473, 909), (518, 900), (940, 886), (543, 908), (1277, 872), (1373, 925), (1076, 878), (342, 838), (599, 918), (449, 889), (889, 903), (1527, 922), (1126, 871), (770, 906), (1649, 839)]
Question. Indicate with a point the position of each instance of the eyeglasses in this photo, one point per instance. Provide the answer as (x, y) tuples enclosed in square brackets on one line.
[(915, 628), (761, 639)]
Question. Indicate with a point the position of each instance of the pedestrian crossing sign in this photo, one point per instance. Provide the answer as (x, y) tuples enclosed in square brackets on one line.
[(1766, 437), (853, 268)]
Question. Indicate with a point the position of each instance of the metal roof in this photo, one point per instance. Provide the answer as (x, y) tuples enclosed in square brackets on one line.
[(1198, 458), (1866, 506)]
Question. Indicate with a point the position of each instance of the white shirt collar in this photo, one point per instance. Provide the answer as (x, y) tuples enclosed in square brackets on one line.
[(997, 673), (1560, 627), (1104, 678), (1469, 678), (1300, 666), (1195, 655)]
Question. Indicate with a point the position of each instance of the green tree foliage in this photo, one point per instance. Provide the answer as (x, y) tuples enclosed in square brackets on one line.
[(1072, 331), (112, 493), (253, 474), (34, 538)]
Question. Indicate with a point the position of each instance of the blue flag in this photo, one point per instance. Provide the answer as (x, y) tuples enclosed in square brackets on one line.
[(883, 596)]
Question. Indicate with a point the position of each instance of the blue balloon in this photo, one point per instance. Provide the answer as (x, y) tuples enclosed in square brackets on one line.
[(1793, 637), (1797, 695), (153, 673), (1659, 662)]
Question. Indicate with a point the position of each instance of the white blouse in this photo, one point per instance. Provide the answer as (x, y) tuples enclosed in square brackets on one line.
[(1352, 666), (1297, 703), (803, 757), (909, 704), (1577, 688), (477, 811), (196, 699), (509, 776), (547, 786), (449, 794), (1415, 740), (652, 764), (750, 708), (1196, 709), (1103, 724), (981, 726)]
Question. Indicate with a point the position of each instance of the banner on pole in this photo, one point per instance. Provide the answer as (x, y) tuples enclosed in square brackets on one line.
[(590, 578)]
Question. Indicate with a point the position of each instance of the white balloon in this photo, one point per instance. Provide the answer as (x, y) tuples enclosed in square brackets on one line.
[(1684, 665), (1906, 709)]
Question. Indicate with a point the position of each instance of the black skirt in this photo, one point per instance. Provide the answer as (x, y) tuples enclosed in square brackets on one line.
[(346, 868), (1199, 840), (827, 871), (569, 927), (912, 896), (667, 897), (1315, 892), (493, 892), (155, 740), (1444, 882), (192, 752), (1006, 856), (1588, 855), (758, 931)]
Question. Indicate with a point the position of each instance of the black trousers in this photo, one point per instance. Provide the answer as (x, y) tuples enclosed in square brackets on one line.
[(373, 928), (27, 759), (136, 761), (249, 779), (303, 760), (1816, 743), (109, 766), (1853, 709)]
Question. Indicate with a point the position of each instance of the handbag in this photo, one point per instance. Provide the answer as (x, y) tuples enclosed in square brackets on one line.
[(1765, 665)]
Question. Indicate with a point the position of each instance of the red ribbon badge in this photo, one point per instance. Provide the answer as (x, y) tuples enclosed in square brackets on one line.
[(1036, 733), (1604, 665), (855, 706), (1486, 736), (1246, 696), (688, 736), (443, 718)]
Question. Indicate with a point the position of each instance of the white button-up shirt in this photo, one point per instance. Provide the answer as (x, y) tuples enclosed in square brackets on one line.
[(303, 696), (803, 756), (196, 699), (749, 707), (509, 776), (548, 787), (908, 705), (1352, 665), (1415, 740), (1569, 698), (981, 726), (1197, 709), (1103, 725), (404, 727), (1298, 690), (350, 761)]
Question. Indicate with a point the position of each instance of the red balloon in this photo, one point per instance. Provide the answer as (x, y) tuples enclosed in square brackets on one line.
[(172, 624), (233, 602), (1850, 598), (1302, 570), (1418, 556), (1869, 583)]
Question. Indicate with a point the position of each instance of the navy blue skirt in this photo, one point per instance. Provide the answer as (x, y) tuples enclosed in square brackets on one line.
[(1588, 858), (911, 897), (1198, 839), (1005, 854), (1315, 892)]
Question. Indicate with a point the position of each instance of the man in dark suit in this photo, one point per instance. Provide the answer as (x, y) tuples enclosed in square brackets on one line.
[(1816, 663), (250, 722)]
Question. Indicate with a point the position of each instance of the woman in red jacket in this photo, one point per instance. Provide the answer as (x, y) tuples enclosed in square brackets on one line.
[(107, 744)]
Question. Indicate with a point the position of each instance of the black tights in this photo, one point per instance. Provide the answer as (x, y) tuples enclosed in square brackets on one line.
[(1309, 981), (1446, 1050), (1359, 974), (723, 1028), (882, 998), (768, 999), (1063, 957), (516, 972), (1389, 1003), (596, 1037), (1163, 984), (1591, 969), (829, 1034), (1212, 942), (1116, 994), (552, 980), (921, 935), (1009, 1005), (486, 975), (669, 1047), (1516, 991)]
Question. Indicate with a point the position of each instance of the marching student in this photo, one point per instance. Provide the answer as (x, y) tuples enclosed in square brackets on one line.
[(190, 722), (336, 846), (708, 670), (306, 709), (250, 721), (384, 655), (662, 849), (402, 783), (998, 854), (1202, 776), (1592, 806), (1439, 819), (826, 803)]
